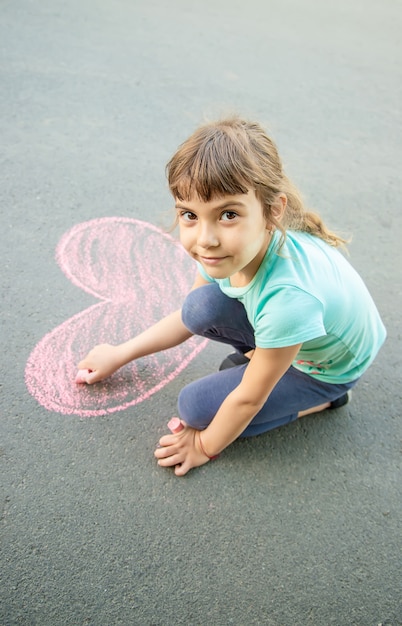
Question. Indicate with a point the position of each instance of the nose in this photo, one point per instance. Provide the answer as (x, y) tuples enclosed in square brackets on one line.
[(207, 236)]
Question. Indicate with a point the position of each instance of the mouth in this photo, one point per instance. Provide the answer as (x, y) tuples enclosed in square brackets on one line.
[(212, 260)]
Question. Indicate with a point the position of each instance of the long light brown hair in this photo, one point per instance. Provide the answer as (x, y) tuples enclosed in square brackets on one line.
[(231, 156)]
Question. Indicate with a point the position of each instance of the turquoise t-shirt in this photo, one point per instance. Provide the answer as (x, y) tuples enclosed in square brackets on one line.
[(307, 292)]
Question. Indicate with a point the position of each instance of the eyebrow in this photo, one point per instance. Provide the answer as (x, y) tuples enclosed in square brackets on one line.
[(224, 205)]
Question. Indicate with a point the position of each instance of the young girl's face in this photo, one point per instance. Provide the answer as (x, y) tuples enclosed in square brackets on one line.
[(228, 236)]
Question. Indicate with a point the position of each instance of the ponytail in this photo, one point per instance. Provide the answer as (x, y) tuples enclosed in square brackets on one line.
[(298, 217)]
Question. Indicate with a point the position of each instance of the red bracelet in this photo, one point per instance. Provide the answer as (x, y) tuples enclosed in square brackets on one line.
[(211, 458)]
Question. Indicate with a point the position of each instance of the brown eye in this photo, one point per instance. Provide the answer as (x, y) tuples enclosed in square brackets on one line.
[(228, 216), (187, 216)]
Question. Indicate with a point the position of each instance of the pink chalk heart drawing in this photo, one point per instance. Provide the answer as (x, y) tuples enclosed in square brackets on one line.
[(139, 274)]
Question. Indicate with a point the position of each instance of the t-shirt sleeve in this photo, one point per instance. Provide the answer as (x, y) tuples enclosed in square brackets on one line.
[(289, 316)]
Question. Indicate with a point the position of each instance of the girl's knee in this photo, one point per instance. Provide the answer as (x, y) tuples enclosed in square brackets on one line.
[(199, 307), (191, 408)]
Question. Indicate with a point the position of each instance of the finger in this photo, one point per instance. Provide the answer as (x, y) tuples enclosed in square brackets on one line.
[(82, 376), (175, 459), (182, 469), (93, 377), (168, 440), (165, 451), (185, 467)]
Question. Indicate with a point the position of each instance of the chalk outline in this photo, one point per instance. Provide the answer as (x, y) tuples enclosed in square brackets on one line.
[(38, 392)]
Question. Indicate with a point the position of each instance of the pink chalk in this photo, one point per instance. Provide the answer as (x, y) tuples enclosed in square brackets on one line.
[(175, 425), (82, 376)]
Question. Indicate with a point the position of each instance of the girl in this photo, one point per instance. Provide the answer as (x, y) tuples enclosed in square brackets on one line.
[(270, 283)]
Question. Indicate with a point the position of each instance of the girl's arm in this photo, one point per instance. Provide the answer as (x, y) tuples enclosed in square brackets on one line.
[(103, 360), (266, 368)]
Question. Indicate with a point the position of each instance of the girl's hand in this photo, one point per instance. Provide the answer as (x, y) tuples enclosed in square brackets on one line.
[(182, 450), (102, 361)]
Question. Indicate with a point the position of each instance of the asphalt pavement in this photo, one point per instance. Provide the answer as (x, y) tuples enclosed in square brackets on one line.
[(301, 526)]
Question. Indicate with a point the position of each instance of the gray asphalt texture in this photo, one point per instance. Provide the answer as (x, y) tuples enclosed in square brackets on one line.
[(299, 526)]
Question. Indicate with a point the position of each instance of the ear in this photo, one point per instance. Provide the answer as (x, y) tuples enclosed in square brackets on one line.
[(277, 209)]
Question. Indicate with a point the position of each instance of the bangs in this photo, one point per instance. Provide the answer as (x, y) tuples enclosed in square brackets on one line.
[(211, 164)]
